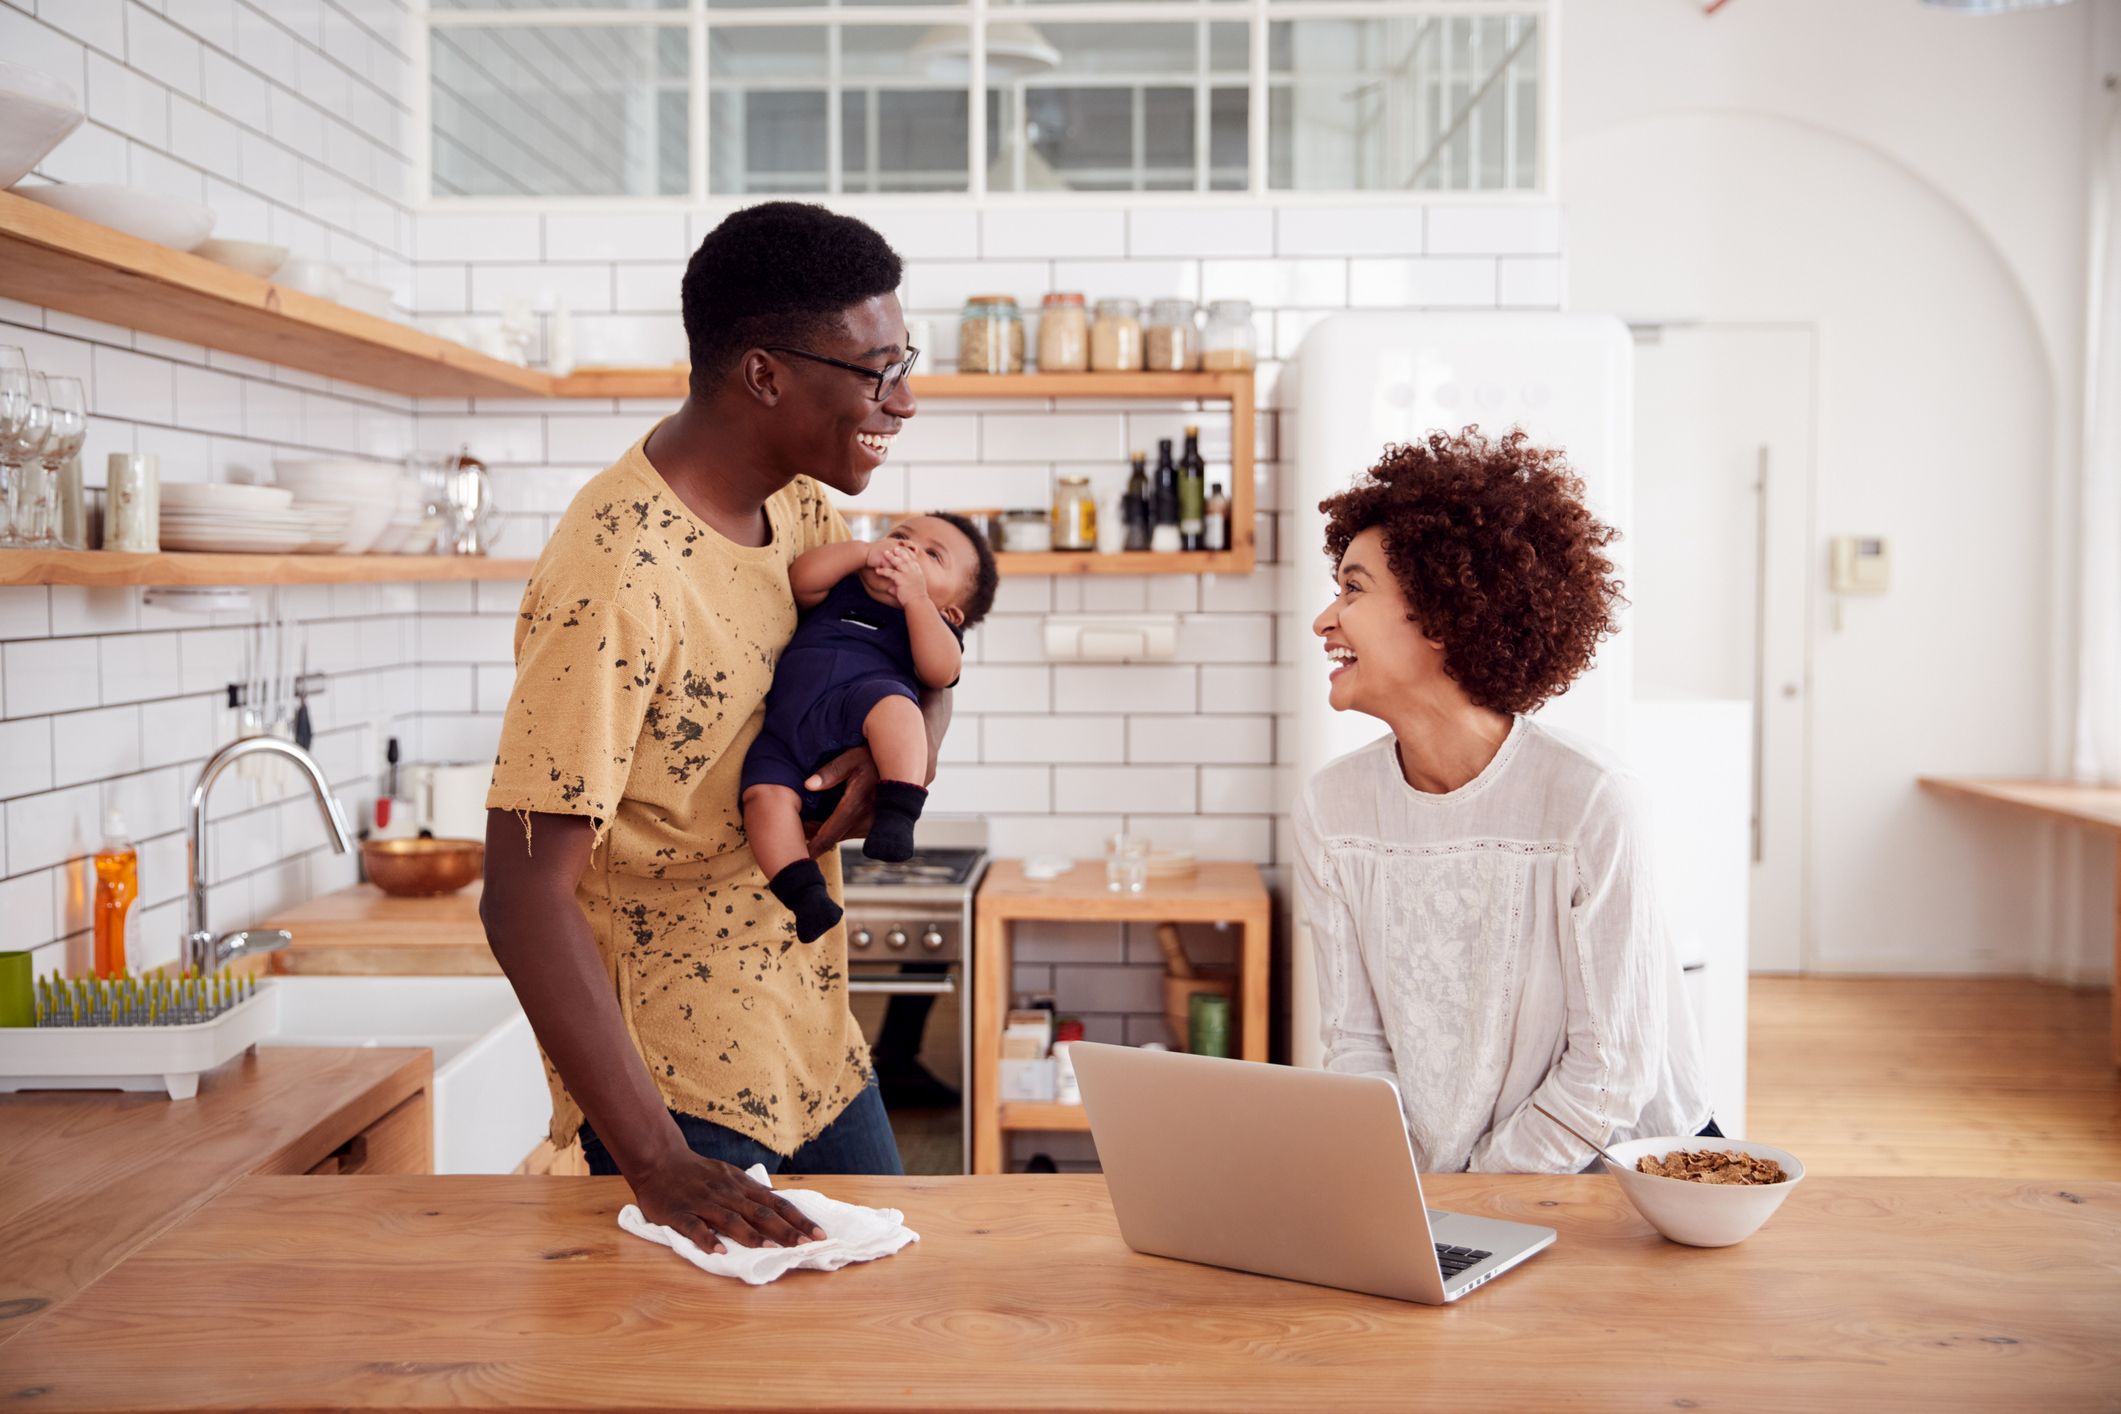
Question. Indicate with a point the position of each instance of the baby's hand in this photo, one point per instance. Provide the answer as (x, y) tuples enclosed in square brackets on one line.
[(903, 569), (879, 554)]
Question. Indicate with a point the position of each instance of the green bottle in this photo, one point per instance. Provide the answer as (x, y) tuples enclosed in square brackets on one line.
[(1192, 492)]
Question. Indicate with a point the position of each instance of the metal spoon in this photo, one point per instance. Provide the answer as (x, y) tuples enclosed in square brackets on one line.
[(1578, 1133)]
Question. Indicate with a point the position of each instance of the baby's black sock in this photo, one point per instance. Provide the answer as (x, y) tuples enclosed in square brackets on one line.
[(801, 886), (898, 805)]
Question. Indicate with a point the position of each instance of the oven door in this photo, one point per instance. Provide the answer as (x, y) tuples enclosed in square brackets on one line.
[(914, 1014)]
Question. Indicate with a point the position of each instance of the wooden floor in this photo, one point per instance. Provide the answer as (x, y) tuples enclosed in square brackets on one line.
[(1943, 1076)]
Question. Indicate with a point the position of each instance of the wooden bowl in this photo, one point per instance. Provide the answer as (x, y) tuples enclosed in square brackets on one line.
[(422, 868)]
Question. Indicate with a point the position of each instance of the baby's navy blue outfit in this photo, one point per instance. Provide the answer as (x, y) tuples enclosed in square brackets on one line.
[(848, 654)]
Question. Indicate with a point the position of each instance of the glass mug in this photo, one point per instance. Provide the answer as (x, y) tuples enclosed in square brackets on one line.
[(1127, 863)]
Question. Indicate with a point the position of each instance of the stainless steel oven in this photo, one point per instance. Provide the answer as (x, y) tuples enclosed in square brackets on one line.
[(909, 963)]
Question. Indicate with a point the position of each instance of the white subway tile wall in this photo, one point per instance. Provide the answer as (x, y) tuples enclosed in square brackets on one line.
[(1056, 756), (293, 123)]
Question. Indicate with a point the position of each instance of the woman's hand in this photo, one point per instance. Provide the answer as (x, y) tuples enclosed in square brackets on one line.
[(708, 1200), (850, 818)]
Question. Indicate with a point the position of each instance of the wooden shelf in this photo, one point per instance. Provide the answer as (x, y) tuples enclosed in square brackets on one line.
[(105, 568), (1235, 388), (670, 382), (1029, 1114), (1066, 563), (51, 258)]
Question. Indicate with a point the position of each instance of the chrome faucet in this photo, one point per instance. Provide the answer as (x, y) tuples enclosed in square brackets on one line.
[(203, 951)]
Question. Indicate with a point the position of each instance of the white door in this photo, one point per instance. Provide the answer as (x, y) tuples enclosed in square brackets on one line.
[(1723, 566)]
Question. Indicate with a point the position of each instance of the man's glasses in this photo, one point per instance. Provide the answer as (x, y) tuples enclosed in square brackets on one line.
[(887, 378)]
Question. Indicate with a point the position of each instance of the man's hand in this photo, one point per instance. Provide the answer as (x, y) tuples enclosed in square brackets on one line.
[(708, 1200), (850, 818)]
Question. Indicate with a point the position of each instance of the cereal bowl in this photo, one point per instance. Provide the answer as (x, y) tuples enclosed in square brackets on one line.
[(1702, 1214)]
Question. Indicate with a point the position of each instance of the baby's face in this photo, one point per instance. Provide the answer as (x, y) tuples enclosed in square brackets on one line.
[(948, 561)]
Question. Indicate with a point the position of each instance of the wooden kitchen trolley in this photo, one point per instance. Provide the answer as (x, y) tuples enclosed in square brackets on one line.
[(1218, 892)]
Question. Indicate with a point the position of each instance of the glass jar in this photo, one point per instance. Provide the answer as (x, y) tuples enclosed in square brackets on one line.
[(1171, 342), (1116, 337), (1063, 334), (990, 336), (1229, 343), (1027, 530), (1074, 514)]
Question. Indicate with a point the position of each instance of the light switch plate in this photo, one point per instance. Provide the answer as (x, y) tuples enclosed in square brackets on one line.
[(1110, 638)]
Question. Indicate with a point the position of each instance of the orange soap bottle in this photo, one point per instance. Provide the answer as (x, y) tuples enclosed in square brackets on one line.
[(117, 885)]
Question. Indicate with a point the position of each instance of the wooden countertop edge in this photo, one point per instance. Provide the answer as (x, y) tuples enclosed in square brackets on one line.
[(299, 1153), (302, 1153), (2014, 793)]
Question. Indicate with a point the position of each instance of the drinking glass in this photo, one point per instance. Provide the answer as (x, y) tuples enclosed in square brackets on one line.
[(25, 413), (66, 428), (1127, 863)]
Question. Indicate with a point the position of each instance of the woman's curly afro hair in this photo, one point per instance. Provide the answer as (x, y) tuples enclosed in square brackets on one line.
[(1500, 560)]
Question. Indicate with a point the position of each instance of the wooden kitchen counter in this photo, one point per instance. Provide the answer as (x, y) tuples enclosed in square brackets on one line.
[(520, 1294), (87, 1176), (364, 932)]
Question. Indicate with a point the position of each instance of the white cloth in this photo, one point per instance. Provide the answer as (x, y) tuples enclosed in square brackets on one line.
[(852, 1234), (1496, 945)]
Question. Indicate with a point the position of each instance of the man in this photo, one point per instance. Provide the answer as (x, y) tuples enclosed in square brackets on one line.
[(678, 1014)]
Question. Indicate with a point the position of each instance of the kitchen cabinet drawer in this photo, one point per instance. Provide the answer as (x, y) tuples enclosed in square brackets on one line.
[(400, 1142)]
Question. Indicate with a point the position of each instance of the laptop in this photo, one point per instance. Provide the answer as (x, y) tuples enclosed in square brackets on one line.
[(1289, 1173)]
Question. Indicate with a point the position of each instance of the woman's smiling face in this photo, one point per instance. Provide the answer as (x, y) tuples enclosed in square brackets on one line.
[(1378, 656)]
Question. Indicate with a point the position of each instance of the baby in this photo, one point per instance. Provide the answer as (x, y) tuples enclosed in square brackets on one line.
[(881, 621)]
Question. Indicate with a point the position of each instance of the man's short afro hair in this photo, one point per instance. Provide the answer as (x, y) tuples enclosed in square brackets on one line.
[(778, 273)]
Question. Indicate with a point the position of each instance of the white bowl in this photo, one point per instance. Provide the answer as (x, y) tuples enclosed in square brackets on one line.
[(37, 112), (312, 277), (251, 257), (366, 297), (1702, 1214), (151, 216)]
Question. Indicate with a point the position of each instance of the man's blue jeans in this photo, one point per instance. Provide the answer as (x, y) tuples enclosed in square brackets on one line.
[(858, 1141)]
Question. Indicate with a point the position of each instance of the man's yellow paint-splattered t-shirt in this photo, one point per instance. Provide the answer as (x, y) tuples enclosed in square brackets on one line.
[(644, 648)]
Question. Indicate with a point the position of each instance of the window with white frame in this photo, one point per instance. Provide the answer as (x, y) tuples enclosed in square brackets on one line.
[(688, 98)]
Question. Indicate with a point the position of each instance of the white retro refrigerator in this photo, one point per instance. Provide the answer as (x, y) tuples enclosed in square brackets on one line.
[(1366, 379)]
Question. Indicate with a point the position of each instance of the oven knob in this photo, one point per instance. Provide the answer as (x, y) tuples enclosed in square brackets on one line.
[(859, 938), (896, 940), (932, 940)]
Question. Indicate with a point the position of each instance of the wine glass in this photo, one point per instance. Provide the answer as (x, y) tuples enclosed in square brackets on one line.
[(25, 413), (66, 428)]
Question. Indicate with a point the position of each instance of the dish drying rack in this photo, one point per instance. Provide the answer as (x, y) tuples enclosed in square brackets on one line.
[(135, 1033)]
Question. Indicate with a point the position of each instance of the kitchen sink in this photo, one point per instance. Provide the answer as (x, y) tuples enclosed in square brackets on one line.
[(490, 1103)]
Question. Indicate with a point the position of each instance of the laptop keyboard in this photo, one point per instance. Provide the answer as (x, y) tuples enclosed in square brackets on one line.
[(1457, 1259)]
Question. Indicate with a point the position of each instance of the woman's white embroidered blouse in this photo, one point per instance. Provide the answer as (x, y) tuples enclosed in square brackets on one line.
[(1494, 945)]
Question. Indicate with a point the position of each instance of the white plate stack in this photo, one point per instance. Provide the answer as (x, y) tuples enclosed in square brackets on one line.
[(367, 491), (220, 517)]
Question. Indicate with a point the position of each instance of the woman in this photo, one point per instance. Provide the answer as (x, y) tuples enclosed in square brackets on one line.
[(1478, 886)]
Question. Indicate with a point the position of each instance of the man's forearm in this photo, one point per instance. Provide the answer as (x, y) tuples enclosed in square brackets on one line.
[(544, 945)]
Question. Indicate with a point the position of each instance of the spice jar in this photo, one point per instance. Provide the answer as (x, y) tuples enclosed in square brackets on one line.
[(132, 516), (1063, 334), (990, 336), (1074, 514), (1116, 337), (1171, 342), (1229, 342)]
